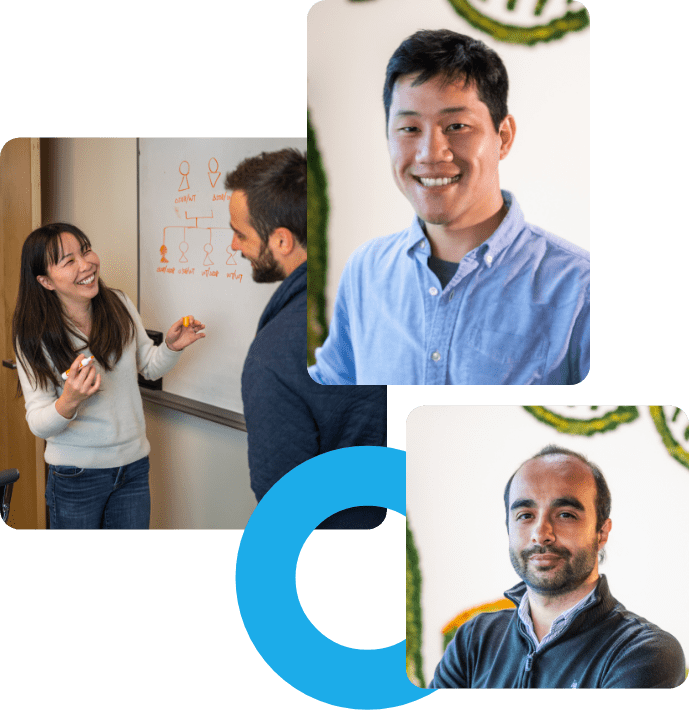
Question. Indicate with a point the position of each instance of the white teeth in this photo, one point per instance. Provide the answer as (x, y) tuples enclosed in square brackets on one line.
[(436, 182), (87, 281)]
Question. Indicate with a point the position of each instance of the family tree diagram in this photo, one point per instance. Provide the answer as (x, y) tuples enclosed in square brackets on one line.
[(198, 246)]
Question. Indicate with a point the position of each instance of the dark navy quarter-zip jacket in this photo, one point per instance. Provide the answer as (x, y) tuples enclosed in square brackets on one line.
[(603, 645)]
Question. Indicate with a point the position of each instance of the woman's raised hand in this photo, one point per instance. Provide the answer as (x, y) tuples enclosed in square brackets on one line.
[(180, 335), (81, 384)]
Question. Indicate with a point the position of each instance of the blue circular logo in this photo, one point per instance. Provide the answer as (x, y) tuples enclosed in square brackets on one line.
[(266, 579)]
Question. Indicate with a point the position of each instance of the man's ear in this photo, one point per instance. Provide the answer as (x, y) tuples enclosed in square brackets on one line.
[(45, 282), (507, 131), (603, 533), (282, 241)]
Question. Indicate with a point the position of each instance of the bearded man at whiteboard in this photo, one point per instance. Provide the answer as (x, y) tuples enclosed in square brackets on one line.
[(289, 417)]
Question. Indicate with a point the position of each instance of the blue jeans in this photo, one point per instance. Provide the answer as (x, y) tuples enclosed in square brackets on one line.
[(92, 498)]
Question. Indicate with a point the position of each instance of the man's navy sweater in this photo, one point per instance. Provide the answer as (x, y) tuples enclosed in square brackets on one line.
[(289, 417), (602, 646)]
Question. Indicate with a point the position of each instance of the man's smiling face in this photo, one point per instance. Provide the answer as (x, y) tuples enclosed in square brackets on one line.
[(445, 151), (554, 543)]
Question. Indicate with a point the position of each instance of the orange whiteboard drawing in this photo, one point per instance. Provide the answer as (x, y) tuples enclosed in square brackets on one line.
[(196, 219), (184, 247), (208, 248), (188, 241), (213, 172), (184, 171)]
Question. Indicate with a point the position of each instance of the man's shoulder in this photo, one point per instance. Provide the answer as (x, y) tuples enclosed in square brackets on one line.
[(637, 626), (557, 247), (378, 249), (486, 623), (643, 654), (529, 238), (283, 337)]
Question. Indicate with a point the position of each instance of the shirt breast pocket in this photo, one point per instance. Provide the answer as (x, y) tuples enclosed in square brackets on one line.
[(499, 358)]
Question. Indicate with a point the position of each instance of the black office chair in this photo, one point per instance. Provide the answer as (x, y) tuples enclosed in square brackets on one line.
[(7, 479)]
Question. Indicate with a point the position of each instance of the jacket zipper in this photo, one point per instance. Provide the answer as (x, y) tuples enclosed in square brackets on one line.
[(528, 665), (527, 671)]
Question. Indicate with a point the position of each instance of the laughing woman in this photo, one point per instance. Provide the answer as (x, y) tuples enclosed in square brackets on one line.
[(92, 421)]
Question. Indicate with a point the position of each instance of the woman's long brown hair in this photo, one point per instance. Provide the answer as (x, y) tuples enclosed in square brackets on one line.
[(40, 328)]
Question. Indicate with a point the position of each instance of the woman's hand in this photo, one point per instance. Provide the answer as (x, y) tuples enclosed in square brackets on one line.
[(79, 386), (180, 336)]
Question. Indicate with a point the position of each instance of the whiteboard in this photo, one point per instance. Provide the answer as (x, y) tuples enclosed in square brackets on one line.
[(187, 265)]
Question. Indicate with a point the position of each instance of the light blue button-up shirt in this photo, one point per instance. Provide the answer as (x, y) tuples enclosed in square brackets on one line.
[(515, 312)]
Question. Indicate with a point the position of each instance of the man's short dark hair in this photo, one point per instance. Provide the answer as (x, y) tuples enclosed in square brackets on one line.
[(431, 53), (275, 187), (603, 499)]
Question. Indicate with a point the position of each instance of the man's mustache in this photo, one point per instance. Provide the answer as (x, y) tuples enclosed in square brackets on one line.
[(545, 550)]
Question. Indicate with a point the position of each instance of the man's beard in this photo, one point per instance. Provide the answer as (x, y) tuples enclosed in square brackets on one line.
[(265, 267), (573, 570)]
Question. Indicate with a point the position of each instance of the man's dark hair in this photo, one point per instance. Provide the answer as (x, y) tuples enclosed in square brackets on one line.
[(275, 187), (603, 499), (431, 53)]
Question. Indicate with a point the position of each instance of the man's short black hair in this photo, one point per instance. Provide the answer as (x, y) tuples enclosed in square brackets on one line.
[(275, 187), (431, 53), (603, 499)]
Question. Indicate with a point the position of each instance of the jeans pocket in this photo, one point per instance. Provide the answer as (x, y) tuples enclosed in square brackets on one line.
[(66, 471)]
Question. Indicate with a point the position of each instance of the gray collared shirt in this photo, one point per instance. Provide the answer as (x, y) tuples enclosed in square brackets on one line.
[(524, 611)]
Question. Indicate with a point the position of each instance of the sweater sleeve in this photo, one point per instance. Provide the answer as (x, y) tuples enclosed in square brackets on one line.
[(152, 360), (41, 415), (649, 660)]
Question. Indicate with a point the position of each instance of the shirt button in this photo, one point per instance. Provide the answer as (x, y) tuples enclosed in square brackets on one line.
[(435, 356), (489, 259), (433, 291), (422, 245)]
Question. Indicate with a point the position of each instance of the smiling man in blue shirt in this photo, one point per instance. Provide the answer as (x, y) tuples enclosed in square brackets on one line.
[(470, 293)]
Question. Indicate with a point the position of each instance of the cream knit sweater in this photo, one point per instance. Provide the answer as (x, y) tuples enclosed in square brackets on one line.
[(108, 429)]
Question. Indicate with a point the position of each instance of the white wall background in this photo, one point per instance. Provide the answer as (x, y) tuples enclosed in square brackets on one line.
[(349, 45), (458, 462), (199, 469)]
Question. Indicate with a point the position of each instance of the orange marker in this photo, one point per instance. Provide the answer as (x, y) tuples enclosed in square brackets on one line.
[(185, 322), (83, 363)]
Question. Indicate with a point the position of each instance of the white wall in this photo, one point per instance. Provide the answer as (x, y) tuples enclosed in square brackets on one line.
[(199, 469), (458, 462), (349, 45)]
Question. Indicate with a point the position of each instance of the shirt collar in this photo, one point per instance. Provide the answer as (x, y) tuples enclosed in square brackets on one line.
[(502, 237), (524, 612)]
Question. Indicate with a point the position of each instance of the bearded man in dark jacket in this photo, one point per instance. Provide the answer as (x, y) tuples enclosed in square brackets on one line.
[(567, 631), (289, 417)]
